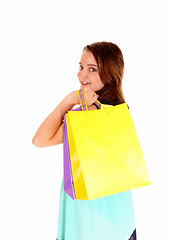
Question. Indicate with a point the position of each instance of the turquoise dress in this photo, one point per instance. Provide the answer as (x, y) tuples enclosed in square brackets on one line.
[(106, 218)]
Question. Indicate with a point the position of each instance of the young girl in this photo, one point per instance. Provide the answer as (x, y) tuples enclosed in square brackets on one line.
[(101, 69)]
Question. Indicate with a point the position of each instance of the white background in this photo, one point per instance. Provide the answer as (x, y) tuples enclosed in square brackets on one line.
[(40, 47)]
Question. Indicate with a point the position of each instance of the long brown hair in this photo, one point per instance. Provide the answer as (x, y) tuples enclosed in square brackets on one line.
[(111, 69)]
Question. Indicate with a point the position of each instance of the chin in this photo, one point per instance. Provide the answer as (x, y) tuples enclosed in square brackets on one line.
[(82, 87)]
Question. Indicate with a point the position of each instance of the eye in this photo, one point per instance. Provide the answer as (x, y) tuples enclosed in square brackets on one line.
[(80, 67), (93, 70)]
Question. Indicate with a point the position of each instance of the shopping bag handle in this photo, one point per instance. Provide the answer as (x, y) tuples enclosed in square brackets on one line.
[(83, 101)]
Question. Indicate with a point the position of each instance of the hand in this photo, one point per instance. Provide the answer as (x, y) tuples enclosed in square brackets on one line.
[(91, 96)]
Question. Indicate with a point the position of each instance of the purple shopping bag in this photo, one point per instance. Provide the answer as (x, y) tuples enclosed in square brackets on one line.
[(68, 178)]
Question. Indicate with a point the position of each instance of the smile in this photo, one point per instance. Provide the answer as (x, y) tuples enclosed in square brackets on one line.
[(84, 83)]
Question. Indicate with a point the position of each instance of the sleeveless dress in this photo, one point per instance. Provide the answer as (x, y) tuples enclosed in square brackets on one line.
[(107, 218)]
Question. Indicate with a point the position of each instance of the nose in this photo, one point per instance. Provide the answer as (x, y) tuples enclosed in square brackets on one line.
[(83, 74)]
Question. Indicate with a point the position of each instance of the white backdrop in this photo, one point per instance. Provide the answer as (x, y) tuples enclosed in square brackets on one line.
[(40, 47)]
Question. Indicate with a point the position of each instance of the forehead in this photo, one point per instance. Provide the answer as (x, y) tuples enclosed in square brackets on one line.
[(87, 57)]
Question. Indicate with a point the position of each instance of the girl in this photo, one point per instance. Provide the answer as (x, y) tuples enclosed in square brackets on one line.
[(101, 69)]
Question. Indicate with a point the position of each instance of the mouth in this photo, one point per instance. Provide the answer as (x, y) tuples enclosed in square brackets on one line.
[(84, 83)]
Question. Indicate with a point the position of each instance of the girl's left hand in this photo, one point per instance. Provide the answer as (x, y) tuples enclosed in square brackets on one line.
[(91, 96)]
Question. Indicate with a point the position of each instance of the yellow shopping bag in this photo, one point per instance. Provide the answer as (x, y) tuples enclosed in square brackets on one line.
[(105, 153)]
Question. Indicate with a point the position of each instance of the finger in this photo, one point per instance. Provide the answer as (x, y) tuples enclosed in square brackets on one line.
[(93, 94), (86, 89), (95, 97)]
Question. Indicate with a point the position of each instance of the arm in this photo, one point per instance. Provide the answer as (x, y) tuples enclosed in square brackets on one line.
[(50, 131)]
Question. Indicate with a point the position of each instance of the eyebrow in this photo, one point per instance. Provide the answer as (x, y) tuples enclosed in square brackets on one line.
[(89, 64)]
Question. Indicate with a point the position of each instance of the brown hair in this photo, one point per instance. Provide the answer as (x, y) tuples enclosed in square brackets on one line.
[(111, 69)]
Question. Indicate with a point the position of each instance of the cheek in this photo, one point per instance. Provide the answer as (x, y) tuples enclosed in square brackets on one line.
[(100, 83), (97, 84)]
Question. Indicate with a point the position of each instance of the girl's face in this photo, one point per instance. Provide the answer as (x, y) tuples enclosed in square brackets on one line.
[(88, 72)]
